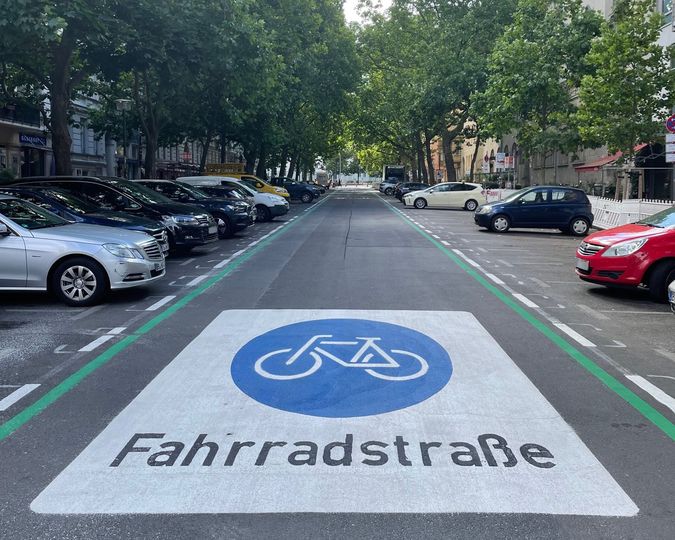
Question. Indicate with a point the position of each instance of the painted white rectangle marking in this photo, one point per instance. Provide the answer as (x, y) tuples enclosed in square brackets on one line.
[(653, 390), (445, 242), (576, 336), (525, 300), (494, 278), (196, 281), (194, 401), (22, 391), (436, 236), (160, 303), (467, 259), (223, 263), (96, 343)]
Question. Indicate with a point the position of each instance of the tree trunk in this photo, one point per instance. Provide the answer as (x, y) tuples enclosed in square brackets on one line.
[(249, 156), (223, 147), (261, 170), (282, 165), (430, 159), (60, 91), (451, 175), (474, 157), (292, 166), (151, 142), (420, 158), (205, 150)]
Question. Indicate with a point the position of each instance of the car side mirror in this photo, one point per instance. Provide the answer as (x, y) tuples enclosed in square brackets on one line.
[(4, 231), (431, 190)]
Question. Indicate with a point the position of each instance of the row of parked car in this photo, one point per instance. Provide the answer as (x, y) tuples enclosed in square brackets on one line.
[(640, 254), (81, 236)]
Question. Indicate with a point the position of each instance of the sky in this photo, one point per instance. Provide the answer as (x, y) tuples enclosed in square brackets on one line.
[(351, 5)]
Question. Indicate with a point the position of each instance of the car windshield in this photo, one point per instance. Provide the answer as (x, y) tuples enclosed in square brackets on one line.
[(664, 219), (249, 183), (77, 205), (193, 191), (28, 215), (515, 195), (139, 192)]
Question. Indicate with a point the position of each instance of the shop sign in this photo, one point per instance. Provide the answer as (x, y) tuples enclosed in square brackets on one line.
[(33, 140)]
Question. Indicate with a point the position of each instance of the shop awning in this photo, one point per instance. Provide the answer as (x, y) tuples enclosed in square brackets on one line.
[(598, 164)]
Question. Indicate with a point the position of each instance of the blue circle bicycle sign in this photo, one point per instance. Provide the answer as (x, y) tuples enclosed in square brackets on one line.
[(341, 368)]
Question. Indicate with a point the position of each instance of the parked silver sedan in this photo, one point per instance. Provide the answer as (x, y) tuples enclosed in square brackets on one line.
[(78, 263)]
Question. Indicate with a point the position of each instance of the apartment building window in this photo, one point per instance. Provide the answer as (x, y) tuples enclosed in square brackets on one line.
[(667, 10)]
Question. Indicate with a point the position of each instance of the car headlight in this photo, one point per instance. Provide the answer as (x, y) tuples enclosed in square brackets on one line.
[(625, 248), (122, 251), (484, 209), (185, 220)]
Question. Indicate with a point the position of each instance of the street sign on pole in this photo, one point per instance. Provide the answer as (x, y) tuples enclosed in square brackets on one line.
[(670, 123)]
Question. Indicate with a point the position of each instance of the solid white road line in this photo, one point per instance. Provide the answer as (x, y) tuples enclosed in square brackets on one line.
[(15, 396), (576, 336), (654, 391), (160, 303), (196, 281), (525, 300)]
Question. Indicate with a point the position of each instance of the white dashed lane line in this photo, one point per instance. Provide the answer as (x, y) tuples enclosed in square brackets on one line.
[(20, 392), (103, 339), (654, 391), (576, 336), (160, 303), (525, 300), (196, 281)]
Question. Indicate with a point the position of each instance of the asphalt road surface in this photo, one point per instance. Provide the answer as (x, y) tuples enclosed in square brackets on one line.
[(353, 370)]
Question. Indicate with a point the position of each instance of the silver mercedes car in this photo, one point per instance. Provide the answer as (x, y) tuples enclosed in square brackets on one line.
[(78, 263)]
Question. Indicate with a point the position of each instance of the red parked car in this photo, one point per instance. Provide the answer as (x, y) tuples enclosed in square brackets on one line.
[(641, 253)]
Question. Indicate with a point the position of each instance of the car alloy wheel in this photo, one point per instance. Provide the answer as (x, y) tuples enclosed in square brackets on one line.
[(579, 227), (306, 197), (420, 203), (500, 223), (471, 205), (79, 281), (264, 213), (389, 191), (225, 229)]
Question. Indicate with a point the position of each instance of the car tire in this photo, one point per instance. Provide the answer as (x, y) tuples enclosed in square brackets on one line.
[(661, 275), (471, 205), (264, 213), (307, 197), (500, 223), (79, 281), (389, 191), (225, 228), (579, 226), (420, 203)]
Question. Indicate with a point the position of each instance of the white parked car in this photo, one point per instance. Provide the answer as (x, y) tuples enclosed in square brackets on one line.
[(267, 205), (77, 262), (448, 195)]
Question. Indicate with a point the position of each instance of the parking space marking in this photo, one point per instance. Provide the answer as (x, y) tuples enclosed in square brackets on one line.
[(653, 390), (187, 261), (593, 312), (87, 312), (218, 419), (539, 282), (102, 339), (495, 278), (576, 336), (20, 392), (666, 354), (467, 259), (525, 300), (160, 303), (505, 263), (445, 243)]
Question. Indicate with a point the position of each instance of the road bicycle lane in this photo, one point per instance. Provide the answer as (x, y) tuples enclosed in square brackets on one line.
[(349, 388)]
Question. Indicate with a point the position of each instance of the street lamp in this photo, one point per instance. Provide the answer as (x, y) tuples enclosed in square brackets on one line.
[(124, 105)]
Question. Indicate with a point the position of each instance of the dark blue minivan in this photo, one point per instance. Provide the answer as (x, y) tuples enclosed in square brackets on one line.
[(540, 207)]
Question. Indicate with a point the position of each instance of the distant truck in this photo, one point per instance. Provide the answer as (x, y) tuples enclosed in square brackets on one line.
[(393, 174), (322, 178)]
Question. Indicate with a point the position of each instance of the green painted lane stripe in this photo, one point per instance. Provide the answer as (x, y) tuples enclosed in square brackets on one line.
[(644, 408), (70, 382)]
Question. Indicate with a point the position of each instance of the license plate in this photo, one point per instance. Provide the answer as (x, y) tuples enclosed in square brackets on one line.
[(213, 229), (583, 264), (159, 266)]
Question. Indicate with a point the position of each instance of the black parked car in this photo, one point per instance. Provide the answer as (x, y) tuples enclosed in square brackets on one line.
[(189, 226), (297, 190), (231, 215), (79, 210), (407, 187), (545, 207)]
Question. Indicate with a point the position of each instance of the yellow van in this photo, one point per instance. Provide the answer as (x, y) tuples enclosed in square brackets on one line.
[(236, 170)]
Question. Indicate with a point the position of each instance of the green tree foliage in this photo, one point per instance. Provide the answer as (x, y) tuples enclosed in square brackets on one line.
[(534, 71), (629, 93)]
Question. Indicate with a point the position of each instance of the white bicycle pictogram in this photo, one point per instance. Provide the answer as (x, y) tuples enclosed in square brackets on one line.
[(360, 360)]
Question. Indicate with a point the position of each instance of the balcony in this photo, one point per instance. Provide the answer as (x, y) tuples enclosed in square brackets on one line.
[(20, 114)]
